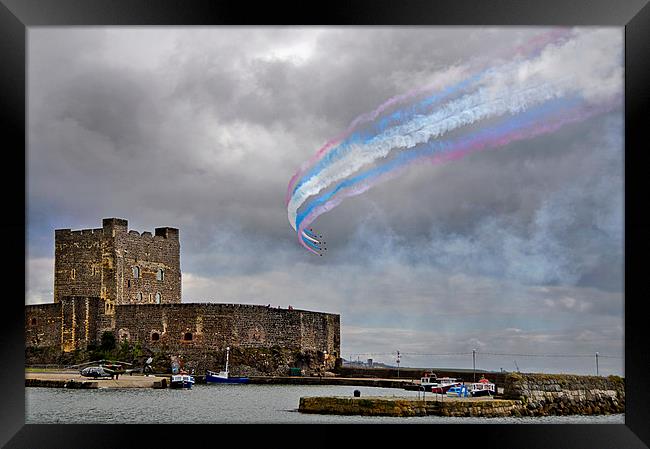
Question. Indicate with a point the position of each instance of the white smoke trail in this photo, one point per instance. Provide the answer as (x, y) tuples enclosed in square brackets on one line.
[(510, 88)]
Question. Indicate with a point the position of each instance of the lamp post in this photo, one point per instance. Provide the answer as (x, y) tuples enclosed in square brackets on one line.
[(474, 363), (596, 363)]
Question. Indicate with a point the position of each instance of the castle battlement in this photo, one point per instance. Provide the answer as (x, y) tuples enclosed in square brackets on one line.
[(128, 283)]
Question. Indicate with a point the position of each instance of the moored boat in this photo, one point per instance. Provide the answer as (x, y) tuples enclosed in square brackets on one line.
[(224, 377), (181, 380), (482, 388), (460, 391), (430, 382)]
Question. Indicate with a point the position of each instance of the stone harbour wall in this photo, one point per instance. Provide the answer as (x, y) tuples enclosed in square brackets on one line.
[(378, 406), (564, 394)]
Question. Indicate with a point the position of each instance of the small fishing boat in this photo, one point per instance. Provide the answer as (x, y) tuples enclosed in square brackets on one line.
[(482, 388), (460, 391), (224, 377), (182, 380), (430, 382)]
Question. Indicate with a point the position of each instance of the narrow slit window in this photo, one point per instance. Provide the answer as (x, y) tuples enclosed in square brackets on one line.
[(158, 298), (140, 297), (160, 274), (136, 272)]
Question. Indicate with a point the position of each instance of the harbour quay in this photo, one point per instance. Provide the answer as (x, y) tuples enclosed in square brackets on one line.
[(529, 394), (73, 380), (409, 406)]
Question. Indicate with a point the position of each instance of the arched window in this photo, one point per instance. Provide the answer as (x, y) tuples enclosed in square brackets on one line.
[(140, 297), (155, 336), (187, 336), (33, 321), (73, 273), (160, 274), (136, 272), (158, 298)]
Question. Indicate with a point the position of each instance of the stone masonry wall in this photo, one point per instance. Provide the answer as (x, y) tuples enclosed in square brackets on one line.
[(149, 253), (100, 263), (77, 266), (43, 325), (258, 336), (263, 340), (562, 394), (78, 322)]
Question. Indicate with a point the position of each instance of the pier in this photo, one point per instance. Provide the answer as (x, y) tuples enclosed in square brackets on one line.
[(524, 395), (434, 405), (74, 380)]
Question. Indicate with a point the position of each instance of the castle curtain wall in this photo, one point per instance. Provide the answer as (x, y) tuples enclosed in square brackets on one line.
[(216, 326)]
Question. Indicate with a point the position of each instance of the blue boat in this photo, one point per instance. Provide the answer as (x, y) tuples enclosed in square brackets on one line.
[(224, 377), (182, 380), (460, 391)]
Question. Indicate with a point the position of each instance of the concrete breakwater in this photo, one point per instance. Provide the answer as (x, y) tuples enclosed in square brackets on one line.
[(524, 395)]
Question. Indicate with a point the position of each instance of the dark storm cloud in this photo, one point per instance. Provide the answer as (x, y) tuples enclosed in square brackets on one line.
[(201, 129)]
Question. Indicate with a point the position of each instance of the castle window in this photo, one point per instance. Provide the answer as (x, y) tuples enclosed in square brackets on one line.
[(140, 297), (128, 283), (158, 298), (73, 273), (150, 297), (136, 272), (187, 336), (33, 321), (160, 275), (155, 336)]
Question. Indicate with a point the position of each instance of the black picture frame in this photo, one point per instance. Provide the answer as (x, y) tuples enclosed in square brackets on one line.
[(17, 15)]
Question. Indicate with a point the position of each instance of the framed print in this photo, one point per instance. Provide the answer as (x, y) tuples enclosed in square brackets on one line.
[(376, 195)]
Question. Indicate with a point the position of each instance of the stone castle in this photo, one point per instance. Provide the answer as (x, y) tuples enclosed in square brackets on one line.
[(128, 283)]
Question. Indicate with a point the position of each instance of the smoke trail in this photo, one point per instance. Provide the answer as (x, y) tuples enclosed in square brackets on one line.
[(527, 97), (513, 130), (466, 110), (530, 48)]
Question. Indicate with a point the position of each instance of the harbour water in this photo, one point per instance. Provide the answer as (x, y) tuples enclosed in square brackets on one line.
[(230, 404)]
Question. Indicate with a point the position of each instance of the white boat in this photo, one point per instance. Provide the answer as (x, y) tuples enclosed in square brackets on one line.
[(429, 382), (482, 388), (182, 380)]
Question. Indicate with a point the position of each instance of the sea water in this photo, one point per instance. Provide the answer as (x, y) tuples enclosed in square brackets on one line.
[(209, 404)]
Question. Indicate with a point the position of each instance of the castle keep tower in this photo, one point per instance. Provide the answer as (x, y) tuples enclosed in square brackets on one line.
[(117, 265)]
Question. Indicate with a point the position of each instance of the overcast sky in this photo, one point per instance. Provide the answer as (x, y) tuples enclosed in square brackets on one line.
[(517, 250)]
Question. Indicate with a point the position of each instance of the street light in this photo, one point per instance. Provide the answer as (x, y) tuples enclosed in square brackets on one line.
[(474, 363)]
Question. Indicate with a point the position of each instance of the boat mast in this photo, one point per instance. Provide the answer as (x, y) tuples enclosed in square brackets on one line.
[(227, 355)]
